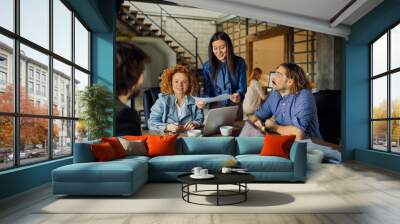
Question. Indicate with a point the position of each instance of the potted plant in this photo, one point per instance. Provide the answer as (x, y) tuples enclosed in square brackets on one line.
[(96, 103)]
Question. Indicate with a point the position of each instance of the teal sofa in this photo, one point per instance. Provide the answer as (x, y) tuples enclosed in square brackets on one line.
[(125, 176)]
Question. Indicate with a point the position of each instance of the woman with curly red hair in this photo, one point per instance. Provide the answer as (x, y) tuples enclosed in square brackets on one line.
[(175, 109)]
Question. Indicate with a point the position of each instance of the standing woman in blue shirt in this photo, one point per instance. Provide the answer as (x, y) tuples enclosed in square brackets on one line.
[(224, 72)]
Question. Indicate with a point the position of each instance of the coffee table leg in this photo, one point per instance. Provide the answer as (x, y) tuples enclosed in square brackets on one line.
[(196, 188), (245, 191), (217, 194)]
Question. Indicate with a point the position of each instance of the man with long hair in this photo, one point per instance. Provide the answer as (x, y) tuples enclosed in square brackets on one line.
[(290, 109)]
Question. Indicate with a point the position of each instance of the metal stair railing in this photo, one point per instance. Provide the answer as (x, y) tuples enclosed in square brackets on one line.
[(163, 31), (197, 56)]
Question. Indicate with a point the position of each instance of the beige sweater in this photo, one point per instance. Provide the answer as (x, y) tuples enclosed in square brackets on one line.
[(253, 97)]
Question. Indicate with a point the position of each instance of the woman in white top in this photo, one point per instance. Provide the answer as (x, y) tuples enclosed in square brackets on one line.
[(254, 95)]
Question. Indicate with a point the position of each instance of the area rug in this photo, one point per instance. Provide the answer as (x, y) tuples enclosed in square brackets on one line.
[(167, 198)]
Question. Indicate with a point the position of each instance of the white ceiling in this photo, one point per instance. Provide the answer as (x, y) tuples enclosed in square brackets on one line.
[(313, 15)]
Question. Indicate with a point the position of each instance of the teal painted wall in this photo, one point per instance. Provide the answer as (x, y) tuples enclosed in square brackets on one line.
[(100, 17), (356, 126)]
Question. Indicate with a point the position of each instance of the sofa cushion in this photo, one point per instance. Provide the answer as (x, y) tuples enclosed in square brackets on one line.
[(116, 145), (206, 145), (103, 152), (257, 163), (277, 145), (185, 163), (161, 145), (134, 147), (249, 145), (112, 171)]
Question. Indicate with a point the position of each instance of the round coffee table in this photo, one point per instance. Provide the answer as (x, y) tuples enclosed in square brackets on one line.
[(238, 179)]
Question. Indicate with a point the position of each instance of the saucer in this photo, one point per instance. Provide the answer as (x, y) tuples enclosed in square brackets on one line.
[(208, 176)]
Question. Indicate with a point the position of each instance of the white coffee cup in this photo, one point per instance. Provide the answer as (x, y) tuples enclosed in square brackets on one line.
[(196, 170), (226, 170), (193, 133), (203, 172), (226, 130)]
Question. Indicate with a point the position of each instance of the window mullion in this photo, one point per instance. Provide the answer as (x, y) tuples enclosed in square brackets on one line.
[(50, 81), (389, 106), (16, 70), (73, 82)]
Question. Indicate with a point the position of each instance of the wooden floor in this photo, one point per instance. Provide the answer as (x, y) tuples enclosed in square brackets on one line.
[(377, 188)]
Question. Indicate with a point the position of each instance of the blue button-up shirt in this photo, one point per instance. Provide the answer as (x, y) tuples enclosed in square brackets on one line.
[(164, 112), (297, 110), (225, 81)]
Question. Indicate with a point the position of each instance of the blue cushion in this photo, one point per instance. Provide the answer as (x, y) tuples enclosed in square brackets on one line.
[(249, 145), (206, 145), (184, 163), (111, 171), (257, 163)]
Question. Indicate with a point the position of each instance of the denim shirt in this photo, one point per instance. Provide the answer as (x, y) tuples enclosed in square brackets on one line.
[(164, 112), (297, 110), (225, 82)]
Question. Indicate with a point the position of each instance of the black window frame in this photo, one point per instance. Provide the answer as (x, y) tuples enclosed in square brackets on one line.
[(388, 74), (16, 114)]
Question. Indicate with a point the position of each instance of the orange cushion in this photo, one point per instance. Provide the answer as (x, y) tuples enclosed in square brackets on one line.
[(116, 145), (161, 145), (103, 151), (277, 145), (134, 138)]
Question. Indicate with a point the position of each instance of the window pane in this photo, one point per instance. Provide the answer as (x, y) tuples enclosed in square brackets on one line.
[(6, 74), (379, 55), (62, 141), (81, 131), (395, 138), (33, 139), (7, 14), (379, 97), (379, 135), (81, 45), (62, 89), (34, 78), (62, 29), (6, 142), (395, 47), (81, 81), (35, 21), (395, 94)]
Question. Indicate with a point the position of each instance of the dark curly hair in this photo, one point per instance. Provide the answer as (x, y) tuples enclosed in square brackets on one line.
[(130, 65)]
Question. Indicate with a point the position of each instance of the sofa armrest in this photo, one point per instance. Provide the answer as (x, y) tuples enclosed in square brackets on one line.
[(298, 155), (83, 153)]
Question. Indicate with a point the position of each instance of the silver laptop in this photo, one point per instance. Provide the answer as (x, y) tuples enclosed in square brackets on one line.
[(219, 117)]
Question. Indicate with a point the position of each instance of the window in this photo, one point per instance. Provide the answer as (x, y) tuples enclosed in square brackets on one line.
[(43, 77), (54, 125), (7, 14), (38, 89), (37, 74), (30, 87), (44, 91), (3, 71), (3, 78), (385, 95), (30, 72)]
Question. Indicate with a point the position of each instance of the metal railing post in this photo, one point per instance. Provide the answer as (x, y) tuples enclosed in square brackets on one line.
[(161, 15)]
